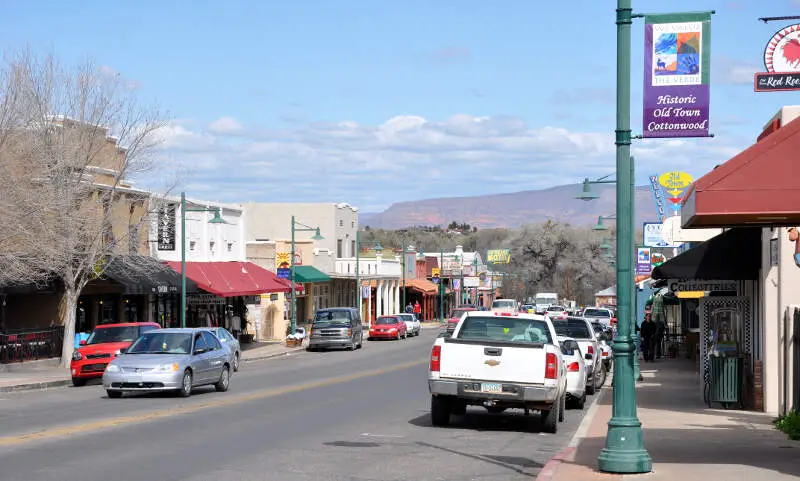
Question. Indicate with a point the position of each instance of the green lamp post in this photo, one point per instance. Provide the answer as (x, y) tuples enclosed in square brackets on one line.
[(317, 236), (217, 219), (600, 226), (624, 451)]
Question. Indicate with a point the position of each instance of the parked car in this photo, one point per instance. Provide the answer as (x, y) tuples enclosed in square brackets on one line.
[(579, 329), (92, 356), (556, 312), (455, 316), (604, 337), (229, 340), (603, 315), (413, 325), (505, 305), (169, 360), (336, 327), (499, 361), (528, 308), (576, 371), (388, 327)]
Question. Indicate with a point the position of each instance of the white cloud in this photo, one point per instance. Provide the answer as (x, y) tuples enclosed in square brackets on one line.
[(409, 157), (225, 126), (727, 70)]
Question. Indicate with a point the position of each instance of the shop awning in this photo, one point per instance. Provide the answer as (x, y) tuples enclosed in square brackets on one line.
[(231, 279), (760, 185), (733, 255), (422, 285), (145, 275), (307, 274)]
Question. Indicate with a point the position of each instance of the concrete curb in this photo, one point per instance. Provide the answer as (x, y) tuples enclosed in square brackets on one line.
[(550, 468), (36, 386), (269, 356)]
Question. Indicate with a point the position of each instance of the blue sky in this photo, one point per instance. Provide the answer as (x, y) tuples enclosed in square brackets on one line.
[(375, 102)]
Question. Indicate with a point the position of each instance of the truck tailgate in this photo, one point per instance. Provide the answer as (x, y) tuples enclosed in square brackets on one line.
[(493, 361)]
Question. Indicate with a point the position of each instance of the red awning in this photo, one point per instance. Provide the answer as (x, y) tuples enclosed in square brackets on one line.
[(760, 185), (230, 279)]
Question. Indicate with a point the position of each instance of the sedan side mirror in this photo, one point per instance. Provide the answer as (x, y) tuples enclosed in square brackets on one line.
[(82, 342), (588, 357)]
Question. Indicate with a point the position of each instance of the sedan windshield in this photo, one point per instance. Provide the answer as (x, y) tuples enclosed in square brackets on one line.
[(596, 313), (332, 317), (162, 343), (507, 329), (102, 335), (574, 328), (385, 321)]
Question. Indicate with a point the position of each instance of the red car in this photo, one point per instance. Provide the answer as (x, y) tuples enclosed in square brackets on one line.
[(455, 316), (388, 327), (91, 358)]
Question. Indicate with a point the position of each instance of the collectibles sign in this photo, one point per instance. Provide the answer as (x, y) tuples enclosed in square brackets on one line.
[(782, 60), (677, 60), (681, 285)]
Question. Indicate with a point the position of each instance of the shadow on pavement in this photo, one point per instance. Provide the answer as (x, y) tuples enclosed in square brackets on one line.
[(479, 420), (522, 466)]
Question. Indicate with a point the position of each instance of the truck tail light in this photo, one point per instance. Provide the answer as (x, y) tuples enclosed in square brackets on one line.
[(573, 367), (590, 350), (436, 358), (551, 366), (605, 353)]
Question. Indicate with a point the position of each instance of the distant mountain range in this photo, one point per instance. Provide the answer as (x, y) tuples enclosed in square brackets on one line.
[(512, 210)]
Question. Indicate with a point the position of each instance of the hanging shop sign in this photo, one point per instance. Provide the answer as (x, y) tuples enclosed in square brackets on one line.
[(166, 227), (782, 61), (205, 300), (684, 285), (472, 281), (677, 60), (652, 237)]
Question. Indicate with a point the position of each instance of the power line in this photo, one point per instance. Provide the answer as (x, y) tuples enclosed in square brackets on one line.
[(772, 19)]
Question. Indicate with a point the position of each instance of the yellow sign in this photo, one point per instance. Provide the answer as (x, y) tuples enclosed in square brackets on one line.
[(674, 182), (283, 260), (435, 272), (499, 256)]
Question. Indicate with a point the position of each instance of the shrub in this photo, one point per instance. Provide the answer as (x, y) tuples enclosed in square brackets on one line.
[(789, 424)]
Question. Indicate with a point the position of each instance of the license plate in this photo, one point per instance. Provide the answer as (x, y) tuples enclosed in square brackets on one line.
[(491, 387)]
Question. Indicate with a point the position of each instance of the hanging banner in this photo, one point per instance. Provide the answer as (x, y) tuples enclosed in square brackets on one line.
[(643, 264), (677, 61)]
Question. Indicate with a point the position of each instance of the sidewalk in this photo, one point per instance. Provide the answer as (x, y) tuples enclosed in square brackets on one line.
[(43, 375), (685, 439)]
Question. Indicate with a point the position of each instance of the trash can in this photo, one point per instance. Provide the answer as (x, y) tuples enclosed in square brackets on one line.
[(726, 381)]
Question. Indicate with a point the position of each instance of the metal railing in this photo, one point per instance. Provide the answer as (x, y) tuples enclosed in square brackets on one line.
[(31, 344)]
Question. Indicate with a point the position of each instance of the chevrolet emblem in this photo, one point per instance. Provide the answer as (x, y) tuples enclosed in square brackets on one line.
[(491, 362)]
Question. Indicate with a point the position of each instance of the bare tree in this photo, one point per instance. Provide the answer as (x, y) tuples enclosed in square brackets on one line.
[(69, 140)]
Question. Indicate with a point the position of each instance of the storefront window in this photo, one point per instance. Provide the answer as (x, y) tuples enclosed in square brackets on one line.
[(725, 324)]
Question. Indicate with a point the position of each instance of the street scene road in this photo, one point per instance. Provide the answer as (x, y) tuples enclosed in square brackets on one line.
[(324, 415)]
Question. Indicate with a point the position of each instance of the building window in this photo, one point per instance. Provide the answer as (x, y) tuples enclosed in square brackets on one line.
[(352, 248), (191, 245), (341, 223), (339, 249), (352, 223), (230, 246)]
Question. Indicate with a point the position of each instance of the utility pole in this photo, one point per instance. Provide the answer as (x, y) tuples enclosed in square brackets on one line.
[(404, 276), (441, 281)]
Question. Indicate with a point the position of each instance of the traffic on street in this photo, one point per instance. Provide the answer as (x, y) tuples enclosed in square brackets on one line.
[(339, 414)]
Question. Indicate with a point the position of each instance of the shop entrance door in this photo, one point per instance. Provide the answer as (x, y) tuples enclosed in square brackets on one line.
[(727, 319)]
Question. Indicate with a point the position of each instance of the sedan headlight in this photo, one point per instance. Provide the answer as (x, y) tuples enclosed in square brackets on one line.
[(112, 368), (167, 368), (76, 356)]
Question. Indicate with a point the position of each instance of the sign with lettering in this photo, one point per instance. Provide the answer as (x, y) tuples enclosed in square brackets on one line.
[(451, 265), (651, 236), (677, 58), (777, 82), (684, 285), (658, 196), (783, 50), (472, 281), (284, 273), (283, 259), (166, 227), (499, 256), (643, 265)]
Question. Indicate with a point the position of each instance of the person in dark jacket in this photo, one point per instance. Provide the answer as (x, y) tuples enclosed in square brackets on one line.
[(648, 332)]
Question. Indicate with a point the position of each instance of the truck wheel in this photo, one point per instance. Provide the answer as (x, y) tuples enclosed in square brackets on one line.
[(591, 388), (562, 408), (440, 411), (550, 418), (495, 410), (459, 409), (581, 402)]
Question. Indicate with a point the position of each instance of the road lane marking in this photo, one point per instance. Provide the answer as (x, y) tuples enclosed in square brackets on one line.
[(84, 428)]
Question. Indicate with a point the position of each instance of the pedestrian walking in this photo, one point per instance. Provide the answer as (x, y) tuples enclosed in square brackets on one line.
[(409, 308), (648, 331)]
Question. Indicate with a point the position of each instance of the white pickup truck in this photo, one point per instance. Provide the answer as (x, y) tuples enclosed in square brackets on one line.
[(498, 360)]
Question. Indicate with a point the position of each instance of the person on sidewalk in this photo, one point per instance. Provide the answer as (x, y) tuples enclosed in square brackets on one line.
[(648, 332), (409, 308), (417, 309)]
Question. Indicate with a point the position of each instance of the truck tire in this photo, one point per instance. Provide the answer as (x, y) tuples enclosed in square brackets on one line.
[(562, 408), (459, 409), (550, 418), (591, 388), (440, 411)]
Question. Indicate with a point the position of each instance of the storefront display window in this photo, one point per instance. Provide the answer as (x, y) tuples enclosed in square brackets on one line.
[(725, 326)]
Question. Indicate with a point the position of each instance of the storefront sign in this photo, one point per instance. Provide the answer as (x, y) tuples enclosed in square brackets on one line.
[(677, 56), (499, 256), (205, 299), (643, 265), (164, 289), (166, 227), (284, 273), (658, 196), (471, 281), (365, 292), (451, 266), (782, 61), (682, 285), (651, 236), (284, 259), (252, 299)]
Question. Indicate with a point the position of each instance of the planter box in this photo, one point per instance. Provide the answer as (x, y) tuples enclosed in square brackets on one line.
[(294, 343)]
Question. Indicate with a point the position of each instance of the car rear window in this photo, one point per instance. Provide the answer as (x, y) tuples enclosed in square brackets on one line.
[(506, 329), (504, 304), (574, 328), (596, 313), (460, 312)]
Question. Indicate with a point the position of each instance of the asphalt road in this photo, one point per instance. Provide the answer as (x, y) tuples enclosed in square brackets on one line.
[(360, 415)]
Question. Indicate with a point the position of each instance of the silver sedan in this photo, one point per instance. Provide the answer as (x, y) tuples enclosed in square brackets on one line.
[(169, 360), (227, 339)]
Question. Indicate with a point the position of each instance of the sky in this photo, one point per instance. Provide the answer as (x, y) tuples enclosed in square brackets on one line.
[(377, 102)]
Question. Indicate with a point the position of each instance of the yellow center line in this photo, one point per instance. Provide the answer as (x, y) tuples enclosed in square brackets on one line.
[(84, 428)]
